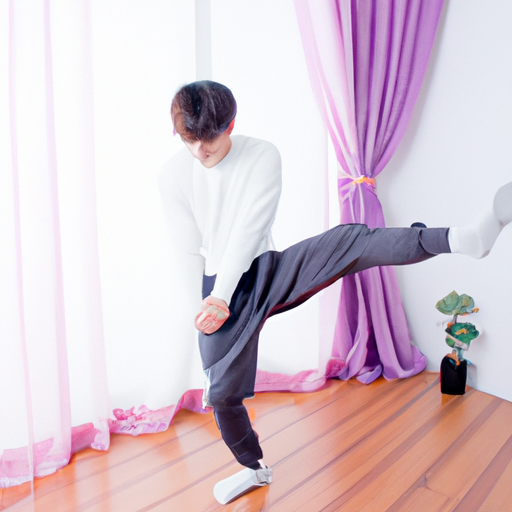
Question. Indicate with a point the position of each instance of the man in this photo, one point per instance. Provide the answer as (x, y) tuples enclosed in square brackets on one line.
[(221, 196)]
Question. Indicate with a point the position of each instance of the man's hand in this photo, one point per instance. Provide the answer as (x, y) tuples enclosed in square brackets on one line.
[(214, 312)]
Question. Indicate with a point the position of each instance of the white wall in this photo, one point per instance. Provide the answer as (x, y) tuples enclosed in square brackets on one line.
[(455, 154), (257, 52), (142, 53)]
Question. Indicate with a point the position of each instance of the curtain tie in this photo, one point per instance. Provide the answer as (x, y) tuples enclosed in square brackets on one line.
[(343, 181), (364, 179)]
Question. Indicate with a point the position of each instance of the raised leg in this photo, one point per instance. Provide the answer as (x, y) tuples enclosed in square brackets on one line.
[(401, 246), (277, 282)]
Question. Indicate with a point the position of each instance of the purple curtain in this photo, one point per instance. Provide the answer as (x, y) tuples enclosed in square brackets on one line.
[(366, 62)]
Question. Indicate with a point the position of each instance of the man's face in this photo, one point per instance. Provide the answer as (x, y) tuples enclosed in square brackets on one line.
[(209, 153)]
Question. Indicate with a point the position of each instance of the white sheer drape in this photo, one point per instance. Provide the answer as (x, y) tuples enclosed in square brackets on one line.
[(80, 117), (33, 314)]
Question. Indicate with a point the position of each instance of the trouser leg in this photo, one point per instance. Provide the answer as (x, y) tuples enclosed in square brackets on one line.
[(401, 246), (226, 396), (238, 434), (277, 282)]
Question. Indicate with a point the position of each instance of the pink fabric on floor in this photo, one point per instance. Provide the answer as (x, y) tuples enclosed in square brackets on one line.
[(142, 420)]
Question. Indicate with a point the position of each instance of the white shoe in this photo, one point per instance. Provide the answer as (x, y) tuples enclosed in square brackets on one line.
[(241, 483)]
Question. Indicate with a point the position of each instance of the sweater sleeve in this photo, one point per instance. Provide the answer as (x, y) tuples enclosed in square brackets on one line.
[(258, 207), (181, 224)]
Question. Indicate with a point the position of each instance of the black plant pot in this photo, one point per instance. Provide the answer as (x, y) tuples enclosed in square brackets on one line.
[(453, 376)]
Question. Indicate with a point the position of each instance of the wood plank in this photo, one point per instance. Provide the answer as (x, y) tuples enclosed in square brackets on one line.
[(459, 474), (424, 499), (500, 497), (18, 494), (481, 488)]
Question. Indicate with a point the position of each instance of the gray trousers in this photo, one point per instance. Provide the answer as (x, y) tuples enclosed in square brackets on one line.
[(277, 282)]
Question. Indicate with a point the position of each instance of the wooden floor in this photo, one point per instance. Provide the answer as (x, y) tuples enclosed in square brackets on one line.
[(386, 447)]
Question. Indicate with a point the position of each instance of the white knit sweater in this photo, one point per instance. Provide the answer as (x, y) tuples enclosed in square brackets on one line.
[(225, 213)]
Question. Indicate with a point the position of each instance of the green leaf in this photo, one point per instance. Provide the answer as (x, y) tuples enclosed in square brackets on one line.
[(455, 304)]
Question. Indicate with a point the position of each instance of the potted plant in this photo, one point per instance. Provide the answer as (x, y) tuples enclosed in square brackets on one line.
[(459, 335)]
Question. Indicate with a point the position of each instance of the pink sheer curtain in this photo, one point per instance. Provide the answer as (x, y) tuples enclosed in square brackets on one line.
[(366, 62)]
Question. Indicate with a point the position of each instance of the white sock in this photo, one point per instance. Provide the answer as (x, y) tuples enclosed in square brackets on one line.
[(476, 240)]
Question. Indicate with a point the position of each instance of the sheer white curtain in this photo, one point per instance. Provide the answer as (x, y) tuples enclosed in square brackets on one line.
[(48, 148), (85, 92)]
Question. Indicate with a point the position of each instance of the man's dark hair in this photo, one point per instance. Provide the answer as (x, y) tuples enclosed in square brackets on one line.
[(203, 110)]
